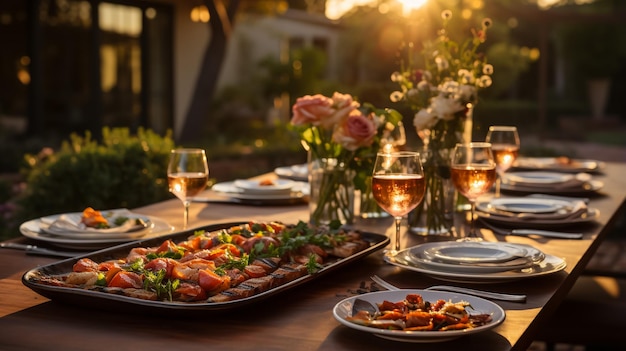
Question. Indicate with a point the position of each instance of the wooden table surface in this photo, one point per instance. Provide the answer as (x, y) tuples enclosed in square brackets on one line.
[(297, 319)]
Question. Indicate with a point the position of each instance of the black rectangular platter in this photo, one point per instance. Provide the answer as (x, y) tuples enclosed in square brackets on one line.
[(84, 297)]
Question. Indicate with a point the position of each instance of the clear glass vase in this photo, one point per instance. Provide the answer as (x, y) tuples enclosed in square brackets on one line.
[(332, 191), (435, 214)]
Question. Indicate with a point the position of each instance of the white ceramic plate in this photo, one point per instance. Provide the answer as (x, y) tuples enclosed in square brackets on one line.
[(557, 164), (31, 229), (343, 309), (469, 252), (296, 172), (255, 187), (538, 223), (550, 264), (527, 256), (297, 191), (536, 177), (525, 205), (68, 225)]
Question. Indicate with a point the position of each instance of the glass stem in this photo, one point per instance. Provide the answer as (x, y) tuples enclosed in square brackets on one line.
[(396, 245), (472, 232), (498, 181), (186, 214)]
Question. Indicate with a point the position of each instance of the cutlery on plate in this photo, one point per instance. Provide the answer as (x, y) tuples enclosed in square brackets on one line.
[(42, 251), (480, 293), (532, 232)]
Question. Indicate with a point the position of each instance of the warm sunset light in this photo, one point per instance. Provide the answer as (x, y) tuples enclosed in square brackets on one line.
[(410, 5)]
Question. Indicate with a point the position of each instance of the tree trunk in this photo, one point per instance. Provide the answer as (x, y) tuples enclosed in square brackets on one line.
[(221, 22)]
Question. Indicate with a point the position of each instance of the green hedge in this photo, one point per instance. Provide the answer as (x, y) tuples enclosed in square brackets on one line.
[(122, 170)]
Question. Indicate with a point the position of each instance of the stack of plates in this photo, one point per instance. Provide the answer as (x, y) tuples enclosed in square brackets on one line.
[(550, 183), (470, 261), (558, 164), (536, 212), (278, 191), (65, 230)]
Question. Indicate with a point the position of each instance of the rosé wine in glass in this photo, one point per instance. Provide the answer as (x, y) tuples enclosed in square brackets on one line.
[(187, 176), (505, 145), (398, 185), (473, 172)]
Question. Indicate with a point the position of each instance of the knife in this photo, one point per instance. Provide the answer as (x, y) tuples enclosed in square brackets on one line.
[(42, 251)]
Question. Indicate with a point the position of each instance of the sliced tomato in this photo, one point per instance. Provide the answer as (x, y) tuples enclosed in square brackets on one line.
[(192, 244), (254, 271), (199, 263), (85, 265), (111, 272), (234, 250), (108, 265), (125, 279), (161, 263), (183, 272), (209, 280), (167, 246), (237, 239), (189, 292)]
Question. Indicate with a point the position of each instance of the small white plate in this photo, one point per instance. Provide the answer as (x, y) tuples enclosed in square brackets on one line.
[(296, 172), (256, 187), (298, 190), (536, 177), (525, 205), (523, 256), (471, 252), (343, 309)]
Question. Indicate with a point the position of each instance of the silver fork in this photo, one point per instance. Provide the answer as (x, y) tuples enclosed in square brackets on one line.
[(480, 293)]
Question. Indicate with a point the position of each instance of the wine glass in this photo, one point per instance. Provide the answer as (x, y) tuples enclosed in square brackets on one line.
[(473, 172), (398, 185), (505, 146), (187, 176)]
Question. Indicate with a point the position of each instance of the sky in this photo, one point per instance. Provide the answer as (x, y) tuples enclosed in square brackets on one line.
[(336, 8)]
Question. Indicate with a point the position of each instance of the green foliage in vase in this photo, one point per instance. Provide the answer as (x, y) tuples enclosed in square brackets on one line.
[(121, 171)]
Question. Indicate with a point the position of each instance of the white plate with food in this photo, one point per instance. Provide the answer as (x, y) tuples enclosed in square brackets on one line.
[(111, 224), (264, 186), (549, 265), (297, 191), (89, 240), (484, 315), (296, 172)]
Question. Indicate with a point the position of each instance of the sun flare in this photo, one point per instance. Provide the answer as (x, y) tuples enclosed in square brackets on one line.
[(410, 5)]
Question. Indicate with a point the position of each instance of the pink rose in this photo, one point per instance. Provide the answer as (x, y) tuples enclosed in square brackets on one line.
[(343, 105), (311, 109), (357, 131)]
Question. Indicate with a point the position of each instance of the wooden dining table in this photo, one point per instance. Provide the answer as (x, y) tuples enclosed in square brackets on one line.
[(299, 318)]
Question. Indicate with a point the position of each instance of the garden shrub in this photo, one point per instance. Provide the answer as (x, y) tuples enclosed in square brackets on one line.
[(122, 171)]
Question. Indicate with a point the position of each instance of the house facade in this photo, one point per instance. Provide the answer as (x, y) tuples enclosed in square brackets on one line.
[(72, 65)]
